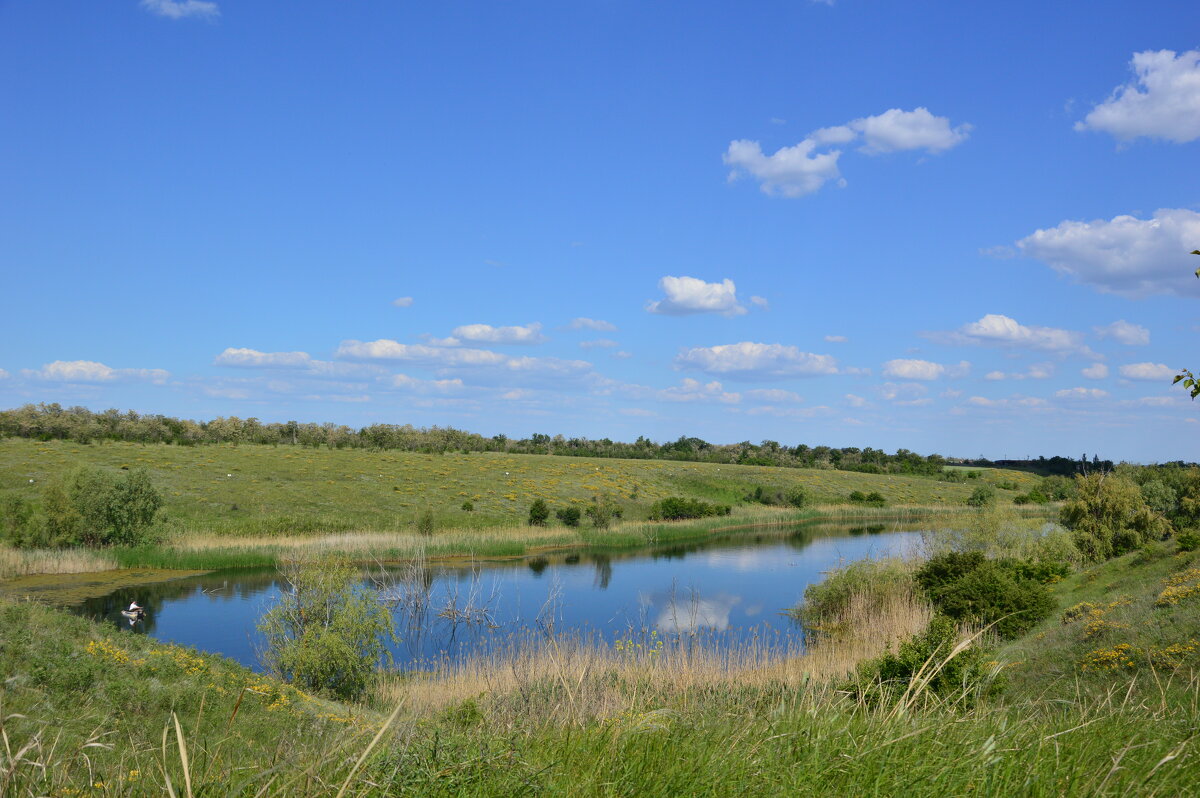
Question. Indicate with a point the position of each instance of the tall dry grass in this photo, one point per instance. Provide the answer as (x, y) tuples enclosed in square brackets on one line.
[(24, 562), (579, 680)]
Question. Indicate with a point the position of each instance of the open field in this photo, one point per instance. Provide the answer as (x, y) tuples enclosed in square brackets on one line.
[(267, 491), (635, 717)]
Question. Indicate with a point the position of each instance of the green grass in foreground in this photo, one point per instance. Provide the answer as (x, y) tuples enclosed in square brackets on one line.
[(85, 709), (269, 491)]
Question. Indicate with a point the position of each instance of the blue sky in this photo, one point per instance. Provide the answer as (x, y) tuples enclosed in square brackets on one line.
[(949, 227)]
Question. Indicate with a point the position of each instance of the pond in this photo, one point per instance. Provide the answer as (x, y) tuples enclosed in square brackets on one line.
[(730, 589)]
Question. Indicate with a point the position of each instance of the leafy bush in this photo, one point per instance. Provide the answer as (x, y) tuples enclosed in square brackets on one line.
[(924, 657), (872, 499), (982, 496), (602, 511), (468, 506), (1008, 484), (425, 522), (86, 507), (970, 588), (327, 632), (677, 508), (1034, 496), (798, 497), (1109, 517), (569, 515), (539, 513), (1188, 541)]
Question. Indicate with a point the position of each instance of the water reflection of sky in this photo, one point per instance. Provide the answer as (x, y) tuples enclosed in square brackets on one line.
[(731, 589)]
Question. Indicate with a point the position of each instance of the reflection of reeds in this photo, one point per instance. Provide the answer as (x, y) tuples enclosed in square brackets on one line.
[(579, 678)]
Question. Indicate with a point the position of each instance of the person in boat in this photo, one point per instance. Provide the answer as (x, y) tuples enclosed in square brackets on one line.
[(135, 613)]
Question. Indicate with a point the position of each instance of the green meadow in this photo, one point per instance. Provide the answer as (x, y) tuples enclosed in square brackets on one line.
[(254, 490)]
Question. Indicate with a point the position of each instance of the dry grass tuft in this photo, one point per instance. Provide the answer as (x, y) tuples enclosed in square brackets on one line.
[(22, 562)]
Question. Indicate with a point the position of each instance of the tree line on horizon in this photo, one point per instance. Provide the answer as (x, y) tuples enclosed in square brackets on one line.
[(53, 422)]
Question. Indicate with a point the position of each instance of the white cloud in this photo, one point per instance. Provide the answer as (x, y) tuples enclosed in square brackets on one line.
[(252, 358), (995, 375), (1148, 371), (999, 330), (1036, 371), (761, 302), (1081, 393), (1163, 101), (747, 359), (637, 412), (1016, 401), (805, 167), (836, 339), (791, 172), (896, 130), (446, 358), (181, 9), (1096, 371), (91, 371), (1128, 256), (486, 333), (403, 302), (686, 295), (583, 323), (904, 394), (910, 369), (405, 382), (622, 355), (1125, 332), (772, 395), (855, 401), (3, 374), (694, 391), (603, 343)]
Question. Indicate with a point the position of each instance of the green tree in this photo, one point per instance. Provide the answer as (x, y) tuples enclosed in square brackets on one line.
[(1108, 516), (327, 633), (539, 513)]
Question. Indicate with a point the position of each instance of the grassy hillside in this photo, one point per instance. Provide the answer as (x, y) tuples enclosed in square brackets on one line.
[(623, 720), (263, 490)]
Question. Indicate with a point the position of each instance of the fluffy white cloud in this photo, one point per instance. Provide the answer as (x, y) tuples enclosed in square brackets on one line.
[(905, 394), (747, 359), (1081, 393), (583, 323), (181, 9), (896, 130), (1016, 401), (805, 167), (687, 295), (447, 358), (622, 355), (790, 172), (403, 381), (998, 330), (91, 371), (486, 333), (760, 302), (694, 391), (1128, 256), (1037, 371), (836, 339), (855, 401), (602, 343), (1163, 100), (910, 369), (1125, 332), (403, 302), (252, 358), (1148, 371), (1096, 371)]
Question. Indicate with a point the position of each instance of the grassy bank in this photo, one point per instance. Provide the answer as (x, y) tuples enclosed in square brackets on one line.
[(263, 491), (633, 717)]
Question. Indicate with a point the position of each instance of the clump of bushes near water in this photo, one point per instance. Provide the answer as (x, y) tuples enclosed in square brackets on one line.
[(677, 508)]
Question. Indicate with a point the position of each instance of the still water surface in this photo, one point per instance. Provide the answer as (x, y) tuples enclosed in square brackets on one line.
[(730, 589)]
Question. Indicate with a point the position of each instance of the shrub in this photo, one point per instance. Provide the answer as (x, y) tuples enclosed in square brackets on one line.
[(982, 496), (86, 507), (972, 589), (426, 523), (1188, 541), (887, 678), (569, 515), (872, 499), (327, 632), (797, 497), (539, 513), (602, 511), (1109, 517), (1007, 485), (871, 584), (1034, 496), (468, 506), (678, 508)]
